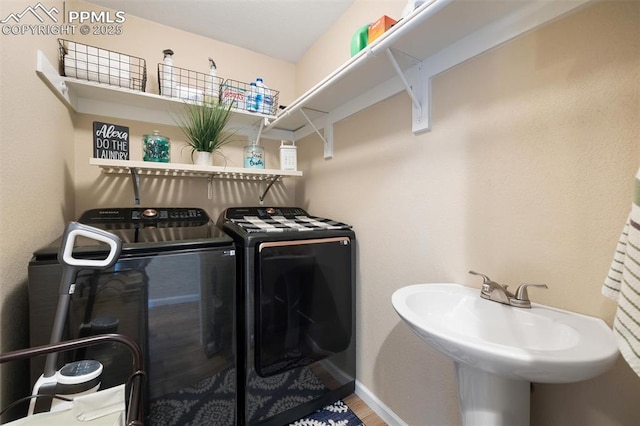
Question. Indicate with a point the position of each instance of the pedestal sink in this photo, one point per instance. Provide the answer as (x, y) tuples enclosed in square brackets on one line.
[(499, 349)]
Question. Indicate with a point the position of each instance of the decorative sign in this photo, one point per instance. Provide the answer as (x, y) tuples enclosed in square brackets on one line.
[(110, 141)]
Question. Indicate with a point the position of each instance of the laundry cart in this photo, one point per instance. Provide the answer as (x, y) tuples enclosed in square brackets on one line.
[(122, 405), (76, 392)]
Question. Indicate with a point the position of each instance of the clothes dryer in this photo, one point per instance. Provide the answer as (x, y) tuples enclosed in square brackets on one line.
[(296, 312)]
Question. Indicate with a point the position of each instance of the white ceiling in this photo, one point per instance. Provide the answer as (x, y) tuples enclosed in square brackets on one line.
[(283, 29)]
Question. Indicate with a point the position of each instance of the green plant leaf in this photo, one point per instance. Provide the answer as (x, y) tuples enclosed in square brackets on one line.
[(204, 126)]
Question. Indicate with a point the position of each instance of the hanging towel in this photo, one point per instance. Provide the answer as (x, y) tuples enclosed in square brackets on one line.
[(623, 285)]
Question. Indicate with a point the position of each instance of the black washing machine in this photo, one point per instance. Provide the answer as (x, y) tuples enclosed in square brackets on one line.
[(172, 290), (296, 312)]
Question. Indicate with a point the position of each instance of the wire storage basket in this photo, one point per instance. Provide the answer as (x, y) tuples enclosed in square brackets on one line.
[(188, 85), (92, 63), (239, 95)]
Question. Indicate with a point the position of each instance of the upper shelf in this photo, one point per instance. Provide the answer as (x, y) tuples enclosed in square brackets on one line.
[(433, 38), (438, 35), (88, 97)]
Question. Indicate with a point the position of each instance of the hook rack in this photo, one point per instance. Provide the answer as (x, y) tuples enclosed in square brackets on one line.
[(137, 168)]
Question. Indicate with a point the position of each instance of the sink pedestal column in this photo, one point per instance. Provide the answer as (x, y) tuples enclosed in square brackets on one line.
[(489, 399)]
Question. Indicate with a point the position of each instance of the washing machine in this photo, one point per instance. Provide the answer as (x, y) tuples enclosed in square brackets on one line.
[(296, 312), (172, 290)]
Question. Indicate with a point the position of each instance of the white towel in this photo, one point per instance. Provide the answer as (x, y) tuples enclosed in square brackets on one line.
[(190, 94), (102, 73), (94, 64), (623, 285), (104, 408)]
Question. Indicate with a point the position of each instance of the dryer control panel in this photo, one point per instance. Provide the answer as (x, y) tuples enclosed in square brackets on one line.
[(263, 212)]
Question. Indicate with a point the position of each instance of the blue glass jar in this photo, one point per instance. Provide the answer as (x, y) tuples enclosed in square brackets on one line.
[(254, 156)]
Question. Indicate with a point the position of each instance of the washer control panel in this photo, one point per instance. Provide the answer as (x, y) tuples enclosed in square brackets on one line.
[(142, 215)]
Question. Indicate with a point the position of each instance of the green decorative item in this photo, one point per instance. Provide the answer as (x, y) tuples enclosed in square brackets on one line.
[(156, 147), (359, 40), (204, 125)]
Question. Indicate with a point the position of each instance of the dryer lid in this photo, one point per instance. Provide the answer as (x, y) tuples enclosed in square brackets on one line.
[(279, 219)]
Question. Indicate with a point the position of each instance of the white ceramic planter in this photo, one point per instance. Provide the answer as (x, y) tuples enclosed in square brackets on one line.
[(203, 158)]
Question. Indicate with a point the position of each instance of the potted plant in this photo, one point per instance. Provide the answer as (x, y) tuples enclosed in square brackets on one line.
[(204, 124)]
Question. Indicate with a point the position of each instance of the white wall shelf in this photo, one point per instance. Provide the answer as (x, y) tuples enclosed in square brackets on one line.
[(437, 36), (433, 38), (149, 168), (88, 97)]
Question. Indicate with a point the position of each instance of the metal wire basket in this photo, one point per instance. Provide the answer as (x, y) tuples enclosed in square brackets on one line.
[(188, 85), (238, 94), (92, 63)]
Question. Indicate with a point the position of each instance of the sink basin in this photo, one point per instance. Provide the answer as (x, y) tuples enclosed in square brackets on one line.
[(498, 349), (541, 344)]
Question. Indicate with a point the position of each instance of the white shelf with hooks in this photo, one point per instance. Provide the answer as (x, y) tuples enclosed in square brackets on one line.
[(148, 168)]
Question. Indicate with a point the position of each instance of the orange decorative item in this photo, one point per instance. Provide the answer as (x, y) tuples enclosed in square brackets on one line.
[(379, 27)]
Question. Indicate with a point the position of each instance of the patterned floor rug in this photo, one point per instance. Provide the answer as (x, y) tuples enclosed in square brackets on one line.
[(212, 401), (336, 414)]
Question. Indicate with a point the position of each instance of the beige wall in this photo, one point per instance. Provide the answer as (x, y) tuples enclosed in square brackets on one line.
[(334, 48), (45, 176), (36, 180), (147, 40), (526, 176)]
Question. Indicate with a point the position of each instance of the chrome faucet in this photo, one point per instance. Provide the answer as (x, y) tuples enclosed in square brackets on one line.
[(493, 291)]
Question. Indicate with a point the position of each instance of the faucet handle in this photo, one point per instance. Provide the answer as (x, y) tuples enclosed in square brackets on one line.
[(522, 296), (485, 279), (488, 282)]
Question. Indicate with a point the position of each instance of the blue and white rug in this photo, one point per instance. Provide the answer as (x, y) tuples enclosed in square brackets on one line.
[(336, 414), (212, 401)]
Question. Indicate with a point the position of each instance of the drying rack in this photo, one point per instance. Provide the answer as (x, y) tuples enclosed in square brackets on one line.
[(135, 402)]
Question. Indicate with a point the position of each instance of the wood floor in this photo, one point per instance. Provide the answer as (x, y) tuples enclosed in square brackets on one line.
[(362, 410)]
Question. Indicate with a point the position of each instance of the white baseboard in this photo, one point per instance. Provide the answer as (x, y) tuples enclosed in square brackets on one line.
[(381, 409)]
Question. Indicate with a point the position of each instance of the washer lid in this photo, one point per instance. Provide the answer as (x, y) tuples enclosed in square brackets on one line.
[(147, 229)]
